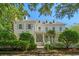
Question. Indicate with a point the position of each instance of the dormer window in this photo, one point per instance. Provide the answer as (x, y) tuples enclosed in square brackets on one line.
[(20, 26), (53, 21), (46, 21)]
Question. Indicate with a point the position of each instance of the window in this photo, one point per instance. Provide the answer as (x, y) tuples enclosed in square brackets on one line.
[(39, 28), (46, 28), (20, 26), (29, 26), (60, 29), (53, 28)]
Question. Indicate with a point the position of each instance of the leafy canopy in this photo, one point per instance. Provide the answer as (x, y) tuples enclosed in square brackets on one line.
[(8, 12)]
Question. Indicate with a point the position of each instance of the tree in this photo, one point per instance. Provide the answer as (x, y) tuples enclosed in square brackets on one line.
[(7, 35), (8, 13), (75, 28), (51, 34), (68, 37), (66, 10), (61, 10)]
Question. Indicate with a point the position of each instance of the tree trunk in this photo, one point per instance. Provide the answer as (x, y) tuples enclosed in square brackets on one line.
[(67, 45)]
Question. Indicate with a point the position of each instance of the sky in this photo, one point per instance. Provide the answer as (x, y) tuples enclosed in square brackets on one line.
[(68, 22)]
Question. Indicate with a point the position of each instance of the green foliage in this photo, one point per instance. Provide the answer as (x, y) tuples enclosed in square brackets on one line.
[(53, 46), (75, 28), (26, 36), (8, 13), (13, 45), (66, 10), (32, 46), (48, 47), (46, 9), (7, 35), (61, 10), (51, 33), (58, 45), (68, 37)]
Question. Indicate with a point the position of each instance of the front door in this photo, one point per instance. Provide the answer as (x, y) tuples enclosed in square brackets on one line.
[(39, 40)]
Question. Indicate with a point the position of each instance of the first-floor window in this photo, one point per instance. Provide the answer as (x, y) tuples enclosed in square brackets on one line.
[(46, 28), (20, 26), (39, 28), (53, 28), (60, 29), (29, 26)]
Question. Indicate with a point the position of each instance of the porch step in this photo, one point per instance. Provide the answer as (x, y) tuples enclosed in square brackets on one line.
[(40, 46)]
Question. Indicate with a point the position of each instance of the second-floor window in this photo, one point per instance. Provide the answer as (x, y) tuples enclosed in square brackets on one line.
[(29, 26), (20, 26)]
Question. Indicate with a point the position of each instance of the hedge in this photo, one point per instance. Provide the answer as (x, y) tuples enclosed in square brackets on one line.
[(13, 45)]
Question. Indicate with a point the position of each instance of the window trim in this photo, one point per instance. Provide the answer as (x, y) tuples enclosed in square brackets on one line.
[(60, 29), (30, 26), (20, 26), (53, 28)]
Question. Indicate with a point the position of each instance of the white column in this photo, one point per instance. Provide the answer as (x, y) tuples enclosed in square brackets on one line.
[(48, 40), (43, 39), (35, 38)]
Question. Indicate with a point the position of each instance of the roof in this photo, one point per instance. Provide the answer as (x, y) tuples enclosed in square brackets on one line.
[(42, 23)]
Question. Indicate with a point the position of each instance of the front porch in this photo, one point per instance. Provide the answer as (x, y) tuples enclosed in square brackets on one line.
[(41, 39)]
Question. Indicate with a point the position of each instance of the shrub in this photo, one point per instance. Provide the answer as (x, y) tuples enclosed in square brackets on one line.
[(58, 45), (13, 45), (28, 37), (68, 37), (48, 47), (32, 46), (7, 35), (53, 46)]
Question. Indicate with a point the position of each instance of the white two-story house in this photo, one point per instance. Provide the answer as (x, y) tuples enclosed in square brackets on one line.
[(37, 29)]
